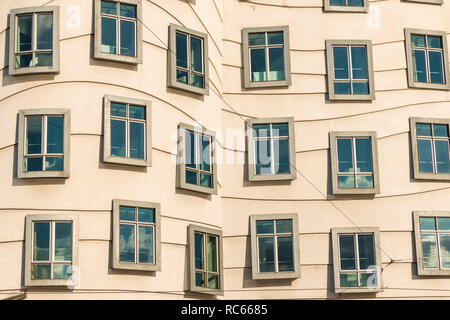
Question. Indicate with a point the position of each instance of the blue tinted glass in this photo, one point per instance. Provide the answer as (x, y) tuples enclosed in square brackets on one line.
[(258, 65), (127, 243), (137, 112), (61, 271), (191, 177), (33, 164), (181, 44), (285, 254), (284, 226), (344, 155), (182, 76), (40, 271), (24, 60), (63, 241), (146, 215), (261, 130), (276, 64), (346, 182), (280, 130), (434, 42), (189, 147), (137, 138), (256, 39), (444, 224), (444, 246), (427, 224), (264, 226), (54, 163), (436, 67), (359, 63), (337, 3), (34, 135), (197, 80), (356, 3), (419, 66), (340, 63), (263, 157), (109, 7), (275, 37), (127, 11), (440, 130), (364, 182), (146, 244), (342, 88), (118, 138), (363, 155), (41, 241), (108, 35), (442, 156), (44, 59), (196, 54), (127, 38), (423, 129), (199, 249), (417, 40), (205, 180), (205, 153), (127, 213), (55, 134), (425, 156), (429, 251), (281, 156), (24, 31), (44, 31), (266, 254), (348, 279), (118, 109), (200, 279), (347, 252), (360, 87)]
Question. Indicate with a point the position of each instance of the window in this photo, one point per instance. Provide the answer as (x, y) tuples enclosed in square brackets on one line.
[(275, 249), (196, 159), (51, 249), (44, 143), (430, 148), (34, 40), (427, 59), (346, 5), (136, 235), (118, 30), (350, 70), (432, 235), (188, 60), (266, 57), (206, 260), (271, 149), (354, 162), (128, 131), (356, 260)]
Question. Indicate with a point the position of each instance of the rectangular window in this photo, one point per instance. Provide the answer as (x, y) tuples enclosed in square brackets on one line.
[(127, 131), (271, 149), (266, 57), (34, 40), (346, 5), (350, 71), (275, 246), (44, 138), (136, 235), (427, 59), (206, 270), (188, 59), (354, 163), (357, 260)]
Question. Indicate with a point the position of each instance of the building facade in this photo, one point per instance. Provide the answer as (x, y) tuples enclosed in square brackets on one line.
[(106, 102)]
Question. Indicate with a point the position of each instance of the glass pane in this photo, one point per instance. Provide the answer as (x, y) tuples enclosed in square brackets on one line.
[(127, 11), (44, 31), (364, 182), (276, 64), (55, 134), (34, 135), (284, 226), (54, 163), (40, 271), (419, 65), (360, 87), (347, 252), (109, 7), (33, 164), (43, 59), (205, 153), (182, 76), (425, 155), (24, 32), (366, 279), (262, 155), (444, 224), (191, 177), (356, 3), (199, 249), (427, 224), (434, 42), (440, 130), (342, 88), (337, 3), (366, 251), (197, 80), (127, 38), (256, 39), (340, 63), (442, 156), (346, 182), (127, 213), (349, 279), (63, 241), (127, 243), (436, 67), (285, 254), (275, 37), (211, 253), (363, 155), (200, 279), (258, 65), (429, 251), (444, 250), (196, 54), (261, 130), (266, 254), (359, 63), (205, 180), (213, 282), (423, 129), (118, 135), (24, 60), (61, 271), (417, 40), (137, 112), (41, 241), (264, 226), (181, 44), (146, 215), (137, 138), (108, 35), (190, 149), (280, 130), (344, 155), (118, 109), (146, 244), (281, 156)]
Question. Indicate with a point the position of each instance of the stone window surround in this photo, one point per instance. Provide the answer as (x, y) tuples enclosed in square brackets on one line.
[(362, 9), (426, 1), (21, 144)]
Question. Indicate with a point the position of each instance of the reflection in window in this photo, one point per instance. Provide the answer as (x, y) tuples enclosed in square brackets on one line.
[(433, 148), (351, 74), (347, 3), (435, 241), (427, 58), (206, 249), (190, 59), (198, 156)]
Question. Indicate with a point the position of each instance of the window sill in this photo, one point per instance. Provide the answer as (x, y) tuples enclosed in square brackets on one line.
[(116, 57)]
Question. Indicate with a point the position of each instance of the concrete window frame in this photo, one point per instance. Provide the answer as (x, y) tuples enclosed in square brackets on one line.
[(192, 229), (54, 68), (252, 176), (329, 44), (138, 59), (375, 231), (181, 162), (413, 121), (409, 59), (256, 275), (107, 157), (29, 220), (421, 271), (116, 264), (334, 162), (21, 173), (328, 7), (248, 84), (172, 60)]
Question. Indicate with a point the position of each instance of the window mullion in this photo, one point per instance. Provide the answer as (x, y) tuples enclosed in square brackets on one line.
[(44, 140), (188, 55), (271, 140), (52, 246), (275, 246), (350, 68), (354, 161), (355, 239), (34, 38)]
